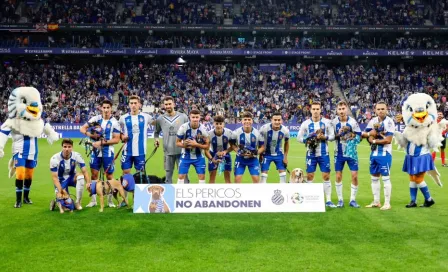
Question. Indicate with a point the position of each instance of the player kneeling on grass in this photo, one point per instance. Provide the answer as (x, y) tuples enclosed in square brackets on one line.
[(218, 154), (273, 133), (248, 144), (193, 138), (348, 136), (63, 173)]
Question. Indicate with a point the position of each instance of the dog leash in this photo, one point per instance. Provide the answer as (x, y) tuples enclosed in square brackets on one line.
[(286, 166)]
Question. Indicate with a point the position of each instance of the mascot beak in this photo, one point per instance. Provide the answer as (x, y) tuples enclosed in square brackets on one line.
[(33, 109), (420, 116)]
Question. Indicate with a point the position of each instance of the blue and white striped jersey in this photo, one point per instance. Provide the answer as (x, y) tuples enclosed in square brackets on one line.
[(21, 144), (417, 150), (273, 139), (109, 128), (185, 132), (308, 127), (253, 139), (340, 145), (388, 128), (66, 168), (136, 127), (219, 143)]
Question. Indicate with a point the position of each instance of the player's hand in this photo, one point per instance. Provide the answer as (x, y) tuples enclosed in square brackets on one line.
[(216, 161), (285, 161), (2, 153), (321, 137), (93, 136), (373, 133), (97, 144), (124, 138), (157, 143), (88, 185), (192, 143), (371, 139)]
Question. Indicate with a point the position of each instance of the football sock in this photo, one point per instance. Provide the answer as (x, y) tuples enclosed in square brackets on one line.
[(376, 189), (27, 188), (387, 189), (424, 189), (19, 190), (327, 190), (413, 190), (282, 177), (353, 192), (339, 190), (263, 178)]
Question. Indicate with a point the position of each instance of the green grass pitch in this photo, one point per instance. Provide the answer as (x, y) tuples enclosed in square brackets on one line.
[(35, 239)]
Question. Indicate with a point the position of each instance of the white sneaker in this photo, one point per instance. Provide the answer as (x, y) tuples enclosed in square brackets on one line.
[(91, 204), (78, 206), (111, 205), (386, 207)]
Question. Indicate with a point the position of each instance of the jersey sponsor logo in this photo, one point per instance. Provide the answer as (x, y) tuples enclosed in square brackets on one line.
[(135, 129)]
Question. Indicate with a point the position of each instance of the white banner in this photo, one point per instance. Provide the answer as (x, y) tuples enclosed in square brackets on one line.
[(228, 198)]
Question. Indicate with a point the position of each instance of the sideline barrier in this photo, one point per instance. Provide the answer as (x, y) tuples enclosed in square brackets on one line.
[(229, 198)]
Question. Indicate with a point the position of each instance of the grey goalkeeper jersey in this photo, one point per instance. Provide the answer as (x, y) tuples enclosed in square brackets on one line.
[(169, 126)]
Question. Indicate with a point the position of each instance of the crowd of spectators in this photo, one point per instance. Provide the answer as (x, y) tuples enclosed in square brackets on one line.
[(71, 93), (363, 86), (8, 11), (249, 12)]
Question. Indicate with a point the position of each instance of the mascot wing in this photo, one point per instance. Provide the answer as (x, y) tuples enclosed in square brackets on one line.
[(52, 135), (400, 140)]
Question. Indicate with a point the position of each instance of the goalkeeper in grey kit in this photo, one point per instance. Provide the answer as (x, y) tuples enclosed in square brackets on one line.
[(169, 123)]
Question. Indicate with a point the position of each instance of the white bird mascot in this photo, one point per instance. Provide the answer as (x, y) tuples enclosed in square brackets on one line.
[(422, 134), (24, 125)]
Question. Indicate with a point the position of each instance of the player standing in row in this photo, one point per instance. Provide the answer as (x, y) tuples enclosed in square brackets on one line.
[(273, 133), (169, 123), (442, 147), (340, 123), (63, 171), (194, 139), (220, 147), (380, 131), (315, 133), (134, 125), (102, 155), (248, 144)]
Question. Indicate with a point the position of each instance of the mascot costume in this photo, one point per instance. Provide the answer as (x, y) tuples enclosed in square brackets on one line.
[(24, 125), (421, 135)]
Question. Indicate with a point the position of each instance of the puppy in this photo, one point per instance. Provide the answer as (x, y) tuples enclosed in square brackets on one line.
[(63, 201), (110, 187), (297, 176), (157, 204), (156, 180)]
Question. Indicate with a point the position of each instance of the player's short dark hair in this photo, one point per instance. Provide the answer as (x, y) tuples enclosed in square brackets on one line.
[(135, 97), (195, 112), (106, 101), (67, 141), (247, 114), (167, 98), (380, 102), (218, 119), (316, 103), (342, 103), (276, 113)]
